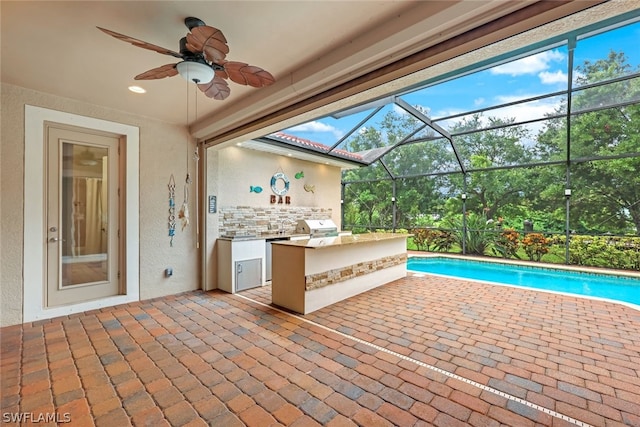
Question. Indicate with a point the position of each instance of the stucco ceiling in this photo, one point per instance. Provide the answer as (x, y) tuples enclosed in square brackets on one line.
[(309, 46)]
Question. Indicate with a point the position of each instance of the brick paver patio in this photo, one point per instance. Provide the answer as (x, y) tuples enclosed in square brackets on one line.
[(418, 351)]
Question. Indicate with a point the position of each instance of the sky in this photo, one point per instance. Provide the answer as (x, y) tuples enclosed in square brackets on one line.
[(541, 73)]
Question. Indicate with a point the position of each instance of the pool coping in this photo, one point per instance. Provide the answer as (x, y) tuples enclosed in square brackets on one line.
[(533, 264)]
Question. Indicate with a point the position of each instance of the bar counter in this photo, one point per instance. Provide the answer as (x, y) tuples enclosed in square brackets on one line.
[(313, 273), (348, 239)]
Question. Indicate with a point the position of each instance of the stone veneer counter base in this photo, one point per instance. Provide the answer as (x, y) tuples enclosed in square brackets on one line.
[(314, 273)]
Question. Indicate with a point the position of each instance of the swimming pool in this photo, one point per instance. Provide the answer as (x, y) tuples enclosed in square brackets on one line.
[(613, 287)]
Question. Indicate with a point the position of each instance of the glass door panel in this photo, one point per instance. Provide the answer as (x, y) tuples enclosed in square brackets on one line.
[(85, 214)]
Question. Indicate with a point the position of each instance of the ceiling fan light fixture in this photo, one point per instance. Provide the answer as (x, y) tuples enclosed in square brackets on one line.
[(196, 72)]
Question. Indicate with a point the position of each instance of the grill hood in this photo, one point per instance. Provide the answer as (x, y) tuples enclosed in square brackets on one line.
[(317, 227)]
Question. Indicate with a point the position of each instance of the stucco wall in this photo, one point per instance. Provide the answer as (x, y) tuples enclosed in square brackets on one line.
[(211, 220), (11, 213), (239, 168), (230, 173), (163, 150)]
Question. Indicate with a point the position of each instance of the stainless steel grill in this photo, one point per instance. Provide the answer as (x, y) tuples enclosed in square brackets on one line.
[(317, 227)]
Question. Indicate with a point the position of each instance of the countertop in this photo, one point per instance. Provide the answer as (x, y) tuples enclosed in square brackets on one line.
[(265, 236), (327, 242)]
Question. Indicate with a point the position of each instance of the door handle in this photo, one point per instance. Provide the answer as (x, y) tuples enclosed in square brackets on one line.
[(56, 239)]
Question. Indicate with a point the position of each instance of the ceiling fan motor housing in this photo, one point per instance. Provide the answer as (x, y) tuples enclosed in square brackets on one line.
[(192, 22)]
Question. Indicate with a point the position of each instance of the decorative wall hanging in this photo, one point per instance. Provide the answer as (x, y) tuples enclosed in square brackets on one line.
[(255, 189), (300, 175), (184, 210), (274, 184), (310, 188), (213, 208), (172, 209)]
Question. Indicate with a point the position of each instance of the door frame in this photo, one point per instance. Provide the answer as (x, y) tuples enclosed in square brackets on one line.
[(34, 226)]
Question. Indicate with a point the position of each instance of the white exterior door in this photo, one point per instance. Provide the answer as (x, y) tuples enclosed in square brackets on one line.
[(82, 244)]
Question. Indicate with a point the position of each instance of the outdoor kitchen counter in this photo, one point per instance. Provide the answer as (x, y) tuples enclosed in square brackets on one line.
[(327, 242), (313, 273), (264, 236)]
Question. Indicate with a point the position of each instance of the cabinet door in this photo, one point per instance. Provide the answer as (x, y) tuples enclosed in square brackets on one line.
[(248, 274)]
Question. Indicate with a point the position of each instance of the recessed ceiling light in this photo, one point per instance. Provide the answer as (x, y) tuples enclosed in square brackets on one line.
[(239, 144), (137, 89), (289, 154)]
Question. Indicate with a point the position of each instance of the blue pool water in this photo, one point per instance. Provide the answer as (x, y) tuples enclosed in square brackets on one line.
[(596, 285)]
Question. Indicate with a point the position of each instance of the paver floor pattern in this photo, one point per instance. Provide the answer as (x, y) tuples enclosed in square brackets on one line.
[(210, 358)]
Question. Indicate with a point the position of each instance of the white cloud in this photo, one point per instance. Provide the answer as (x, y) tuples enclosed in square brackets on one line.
[(548, 78), (448, 112), (520, 112), (315, 126), (533, 64), (529, 111), (478, 102), (507, 99)]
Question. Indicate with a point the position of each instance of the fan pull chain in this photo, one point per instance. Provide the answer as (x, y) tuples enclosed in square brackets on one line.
[(188, 134), (196, 157), (196, 103), (183, 214)]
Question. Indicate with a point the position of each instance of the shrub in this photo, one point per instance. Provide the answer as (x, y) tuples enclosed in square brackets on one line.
[(507, 243), (535, 245), (443, 241), (420, 236), (429, 239), (479, 235), (605, 251)]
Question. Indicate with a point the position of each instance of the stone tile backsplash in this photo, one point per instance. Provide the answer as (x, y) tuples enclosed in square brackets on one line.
[(257, 220), (331, 277)]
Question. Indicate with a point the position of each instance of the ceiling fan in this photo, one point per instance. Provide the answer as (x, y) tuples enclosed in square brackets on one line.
[(203, 52)]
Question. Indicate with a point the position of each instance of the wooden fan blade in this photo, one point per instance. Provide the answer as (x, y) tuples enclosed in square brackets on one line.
[(209, 41), (168, 70), (246, 74), (217, 88), (140, 43)]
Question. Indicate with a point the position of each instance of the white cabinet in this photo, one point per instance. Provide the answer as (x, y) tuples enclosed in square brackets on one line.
[(248, 274), (241, 264)]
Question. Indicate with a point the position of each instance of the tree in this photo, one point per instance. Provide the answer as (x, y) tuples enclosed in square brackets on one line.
[(369, 203), (501, 143), (605, 122), (603, 160)]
